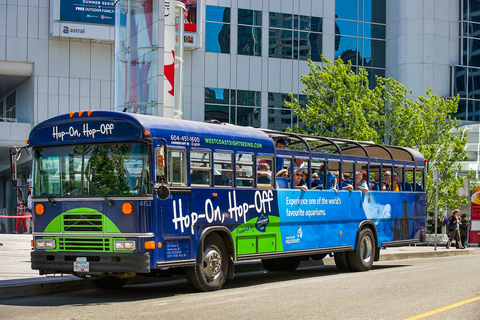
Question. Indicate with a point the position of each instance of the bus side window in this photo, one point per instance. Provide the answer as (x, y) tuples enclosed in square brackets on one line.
[(419, 183), (264, 172), (222, 169), (398, 178), (176, 168), (200, 170), (408, 179), (244, 170)]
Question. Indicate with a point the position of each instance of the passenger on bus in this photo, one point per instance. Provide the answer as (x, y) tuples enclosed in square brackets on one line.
[(346, 181), (282, 173), (375, 185), (331, 179), (360, 180), (298, 181), (263, 173), (298, 164), (279, 160), (316, 183), (388, 182), (396, 179)]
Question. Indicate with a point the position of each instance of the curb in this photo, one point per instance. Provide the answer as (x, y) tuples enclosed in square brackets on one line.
[(49, 285)]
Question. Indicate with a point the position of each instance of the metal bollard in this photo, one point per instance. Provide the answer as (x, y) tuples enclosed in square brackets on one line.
[(422, 235)]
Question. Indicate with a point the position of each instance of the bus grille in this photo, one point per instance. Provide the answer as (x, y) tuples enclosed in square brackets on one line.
[(84, 244), (82, 222)]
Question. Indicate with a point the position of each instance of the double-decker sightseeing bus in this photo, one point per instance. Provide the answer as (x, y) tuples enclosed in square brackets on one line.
[(117, 195)]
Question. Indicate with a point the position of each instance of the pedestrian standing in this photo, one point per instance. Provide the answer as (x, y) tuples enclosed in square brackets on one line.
[(29, 210), (454, 227)]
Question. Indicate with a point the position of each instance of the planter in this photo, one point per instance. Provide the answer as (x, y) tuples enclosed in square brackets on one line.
[(441, 239)]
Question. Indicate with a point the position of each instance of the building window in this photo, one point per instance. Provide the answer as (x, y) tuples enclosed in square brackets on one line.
[(10, 108), (217, 29), (295, 36), (360, 34), (281, 117), (249, 32), (465, 78), (240, 107)]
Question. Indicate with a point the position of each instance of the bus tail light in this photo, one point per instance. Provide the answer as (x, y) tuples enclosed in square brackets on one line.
[(160, 161), (127, 245), (149, 245)]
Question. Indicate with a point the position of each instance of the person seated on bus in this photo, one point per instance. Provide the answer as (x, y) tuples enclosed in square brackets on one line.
[(388, 182), (346, 180), (280, 144), (282, 173), (331, 179), (199, 177), (375, 185), (316, 183), (224, 178), (360, 181), (263, 173), (396, 179), (298, 182), (298, 164)]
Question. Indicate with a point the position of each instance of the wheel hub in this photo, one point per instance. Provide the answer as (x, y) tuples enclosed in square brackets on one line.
[(367, 249), (212, 263)]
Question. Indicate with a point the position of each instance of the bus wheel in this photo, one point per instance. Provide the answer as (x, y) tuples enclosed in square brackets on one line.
[(281, 264), (361, 259), (110, 282), (210, 274), (341, 261)]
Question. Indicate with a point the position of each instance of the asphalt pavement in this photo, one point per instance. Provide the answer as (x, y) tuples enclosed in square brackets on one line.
[(17, 279)]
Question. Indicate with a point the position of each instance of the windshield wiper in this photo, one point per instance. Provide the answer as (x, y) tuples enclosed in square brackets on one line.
[(110, 202)]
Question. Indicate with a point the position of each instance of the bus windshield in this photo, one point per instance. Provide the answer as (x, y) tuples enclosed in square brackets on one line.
[(92, 170)]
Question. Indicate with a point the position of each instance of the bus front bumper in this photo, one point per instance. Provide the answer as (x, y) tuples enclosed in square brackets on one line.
[(97, 263)]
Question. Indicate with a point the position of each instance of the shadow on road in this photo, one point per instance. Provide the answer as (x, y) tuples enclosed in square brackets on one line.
[(172, 288)]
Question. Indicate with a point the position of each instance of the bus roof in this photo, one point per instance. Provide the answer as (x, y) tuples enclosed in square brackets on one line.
[(349, 147), (113, 126)]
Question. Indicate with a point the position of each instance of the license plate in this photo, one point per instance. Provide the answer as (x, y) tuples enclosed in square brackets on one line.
[(81, 265)]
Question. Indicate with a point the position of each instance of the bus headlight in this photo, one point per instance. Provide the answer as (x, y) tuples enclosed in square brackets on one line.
[(124, 245), (45, 244)]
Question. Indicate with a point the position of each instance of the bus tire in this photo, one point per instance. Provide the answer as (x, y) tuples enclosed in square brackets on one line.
[(341, 261), (361, 259), (110, 283), (282, 264), (210, 274)]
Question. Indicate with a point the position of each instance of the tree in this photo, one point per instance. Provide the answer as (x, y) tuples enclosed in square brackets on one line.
[(342, 104)]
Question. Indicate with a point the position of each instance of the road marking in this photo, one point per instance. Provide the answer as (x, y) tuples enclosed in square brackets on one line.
[(458, 304)]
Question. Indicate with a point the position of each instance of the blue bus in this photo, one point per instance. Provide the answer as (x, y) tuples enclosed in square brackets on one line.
[(118, 195)]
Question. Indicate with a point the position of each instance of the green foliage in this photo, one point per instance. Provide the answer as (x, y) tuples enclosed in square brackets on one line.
[(341, 104), (107, 169)]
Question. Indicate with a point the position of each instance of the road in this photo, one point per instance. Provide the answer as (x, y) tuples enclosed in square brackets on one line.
[(396, 289)]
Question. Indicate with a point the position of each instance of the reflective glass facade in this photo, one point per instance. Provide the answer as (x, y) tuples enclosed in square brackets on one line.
[(239, 107), (217, 29), (294, 37), (281, 117), (249, 32), (360, 34), (466, 77)]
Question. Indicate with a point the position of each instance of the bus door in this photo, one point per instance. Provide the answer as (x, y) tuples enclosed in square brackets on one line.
[(173, 207)]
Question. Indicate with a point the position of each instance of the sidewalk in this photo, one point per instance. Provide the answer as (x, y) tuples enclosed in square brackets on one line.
[(17, 279)]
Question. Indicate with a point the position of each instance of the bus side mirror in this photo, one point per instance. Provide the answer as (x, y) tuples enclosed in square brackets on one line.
[(15, 154), (163, 192)]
